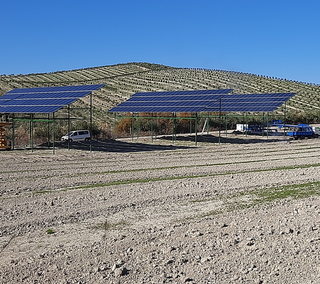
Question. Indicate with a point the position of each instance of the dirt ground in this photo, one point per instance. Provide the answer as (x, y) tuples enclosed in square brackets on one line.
[(243, 211)]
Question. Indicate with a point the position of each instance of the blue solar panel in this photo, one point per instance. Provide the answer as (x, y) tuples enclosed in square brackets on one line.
[(10, 96), (179, 93), (250, 102), (179, 101), (175, 98), (267, 95), (57, 89), (30, 109), (49, 95), (203, 100), (43, 100)]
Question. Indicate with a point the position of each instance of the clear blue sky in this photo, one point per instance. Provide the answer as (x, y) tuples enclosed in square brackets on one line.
[(278, 38)]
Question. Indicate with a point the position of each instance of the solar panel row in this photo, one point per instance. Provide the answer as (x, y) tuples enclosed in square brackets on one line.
[(181, 93), (57, 89), (47, 102), (51, 99), (57, 95), (43, 100), (174, 98), (251, 102), (29, 109), (179, 101), (197, 101), (266, 95)]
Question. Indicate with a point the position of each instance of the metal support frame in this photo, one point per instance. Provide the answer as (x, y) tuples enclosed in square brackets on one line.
[(31, 132), (138, 127), (91, 119), (152, 127), (220, 122), (132, 127), (285, 118), (267, 124), (13, 132), (31, 120), (68, 127), (226, 120), (194, 117), (114, 126), (48, 131), (196, 130)]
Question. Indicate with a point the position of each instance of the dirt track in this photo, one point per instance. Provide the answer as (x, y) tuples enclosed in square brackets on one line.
[(162, 214)]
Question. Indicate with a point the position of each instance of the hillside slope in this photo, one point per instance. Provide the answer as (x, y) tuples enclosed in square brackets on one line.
[(123, 80)]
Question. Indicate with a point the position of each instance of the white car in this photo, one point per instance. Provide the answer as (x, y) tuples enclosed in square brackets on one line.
[(77, 135)]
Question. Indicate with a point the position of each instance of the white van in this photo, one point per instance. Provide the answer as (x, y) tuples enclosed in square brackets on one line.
[(77, 135)]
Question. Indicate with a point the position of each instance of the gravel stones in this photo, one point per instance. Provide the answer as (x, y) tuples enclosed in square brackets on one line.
[(181, 216)]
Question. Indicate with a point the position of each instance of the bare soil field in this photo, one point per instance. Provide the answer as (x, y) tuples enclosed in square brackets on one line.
[(243, 211)]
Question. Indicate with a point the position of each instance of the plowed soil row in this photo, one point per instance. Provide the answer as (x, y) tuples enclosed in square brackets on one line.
[(217, 213)]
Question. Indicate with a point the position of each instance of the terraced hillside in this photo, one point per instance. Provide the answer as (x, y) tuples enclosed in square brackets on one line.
[(123, 80)]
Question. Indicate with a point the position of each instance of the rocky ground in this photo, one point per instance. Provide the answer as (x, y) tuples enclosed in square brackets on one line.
[(246, 211)]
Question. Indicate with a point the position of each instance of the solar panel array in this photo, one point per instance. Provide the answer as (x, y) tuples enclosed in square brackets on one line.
[(250, 102), (178, 101), (43, 100), (202, 101), (51, 99)]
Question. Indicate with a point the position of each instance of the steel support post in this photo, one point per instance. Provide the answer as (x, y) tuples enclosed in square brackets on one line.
[(68, 127), (247, 125), (226, 119), (13, 132), (91, 117), (267, 124), (220, 122), (53, 134), (48, 132), (173, 128), (196, 129), (285, 118), (114, 126), (132, 127), (31, 132), (138, 127), (263, 124), (152, 127)]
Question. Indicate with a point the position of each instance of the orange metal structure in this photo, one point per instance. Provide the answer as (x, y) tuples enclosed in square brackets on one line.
[(3, 142)]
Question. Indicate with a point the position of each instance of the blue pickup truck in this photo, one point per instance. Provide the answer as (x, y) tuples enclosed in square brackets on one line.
[(301, 131)]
